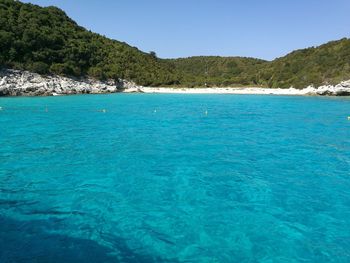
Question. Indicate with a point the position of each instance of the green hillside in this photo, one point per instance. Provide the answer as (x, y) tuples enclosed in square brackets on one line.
[(329, 63), (46, 40), (221, 71)]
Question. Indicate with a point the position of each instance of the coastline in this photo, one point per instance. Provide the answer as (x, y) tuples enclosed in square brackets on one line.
[(342, 89), (228, 90), (24, 83)]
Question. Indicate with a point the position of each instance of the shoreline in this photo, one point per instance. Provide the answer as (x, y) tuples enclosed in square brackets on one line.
[(342, 89), (228, 90), (15, 83)]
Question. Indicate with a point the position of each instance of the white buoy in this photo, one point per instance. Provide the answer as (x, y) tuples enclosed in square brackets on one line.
[(206, 112), (0, 108), (155, 111)]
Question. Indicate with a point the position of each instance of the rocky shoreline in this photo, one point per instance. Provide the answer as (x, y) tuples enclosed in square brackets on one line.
[(24, 83)]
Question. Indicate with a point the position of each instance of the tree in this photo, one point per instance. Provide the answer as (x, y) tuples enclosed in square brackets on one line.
[(153, 54), (40, 67)]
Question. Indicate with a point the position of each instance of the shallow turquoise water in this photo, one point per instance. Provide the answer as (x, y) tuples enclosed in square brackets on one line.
[(154, 179)]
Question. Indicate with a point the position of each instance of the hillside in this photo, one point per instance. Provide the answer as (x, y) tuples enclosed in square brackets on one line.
[(217, 71), (326, 64), (46, 40)]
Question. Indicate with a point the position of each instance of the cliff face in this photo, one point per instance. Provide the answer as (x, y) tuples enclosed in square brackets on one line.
[(24, 83)]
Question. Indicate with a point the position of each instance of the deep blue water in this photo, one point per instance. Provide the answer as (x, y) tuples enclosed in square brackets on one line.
[(155, 179)]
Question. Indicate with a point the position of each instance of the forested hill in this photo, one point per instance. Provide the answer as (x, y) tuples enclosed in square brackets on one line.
[(222, 71), (328, 63), (46, 40)]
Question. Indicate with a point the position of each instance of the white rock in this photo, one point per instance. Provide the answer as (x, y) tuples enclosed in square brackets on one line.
[(24, 83)]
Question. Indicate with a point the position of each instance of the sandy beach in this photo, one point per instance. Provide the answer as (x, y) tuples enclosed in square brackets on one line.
[(229, 90), (340, 89)]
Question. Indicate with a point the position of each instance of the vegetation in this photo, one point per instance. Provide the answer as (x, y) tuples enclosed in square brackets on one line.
[(46, 40), (326, 64), (218, 71)]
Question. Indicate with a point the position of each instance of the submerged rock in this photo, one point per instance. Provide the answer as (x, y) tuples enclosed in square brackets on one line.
[(24, 83)]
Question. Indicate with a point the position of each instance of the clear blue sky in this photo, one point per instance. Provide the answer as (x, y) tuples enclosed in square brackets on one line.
[(180, 28)]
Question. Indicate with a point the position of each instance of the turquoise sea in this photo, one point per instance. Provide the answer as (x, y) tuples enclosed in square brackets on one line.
[(156, 179)]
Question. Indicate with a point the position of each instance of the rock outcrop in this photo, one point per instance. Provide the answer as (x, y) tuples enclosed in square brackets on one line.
[(24, 83), (342, 89)]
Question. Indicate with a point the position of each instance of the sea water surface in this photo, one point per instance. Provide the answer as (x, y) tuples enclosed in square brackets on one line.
[(174, 178)]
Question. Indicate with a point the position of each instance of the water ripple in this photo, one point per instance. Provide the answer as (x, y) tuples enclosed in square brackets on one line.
[(258, 179)]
